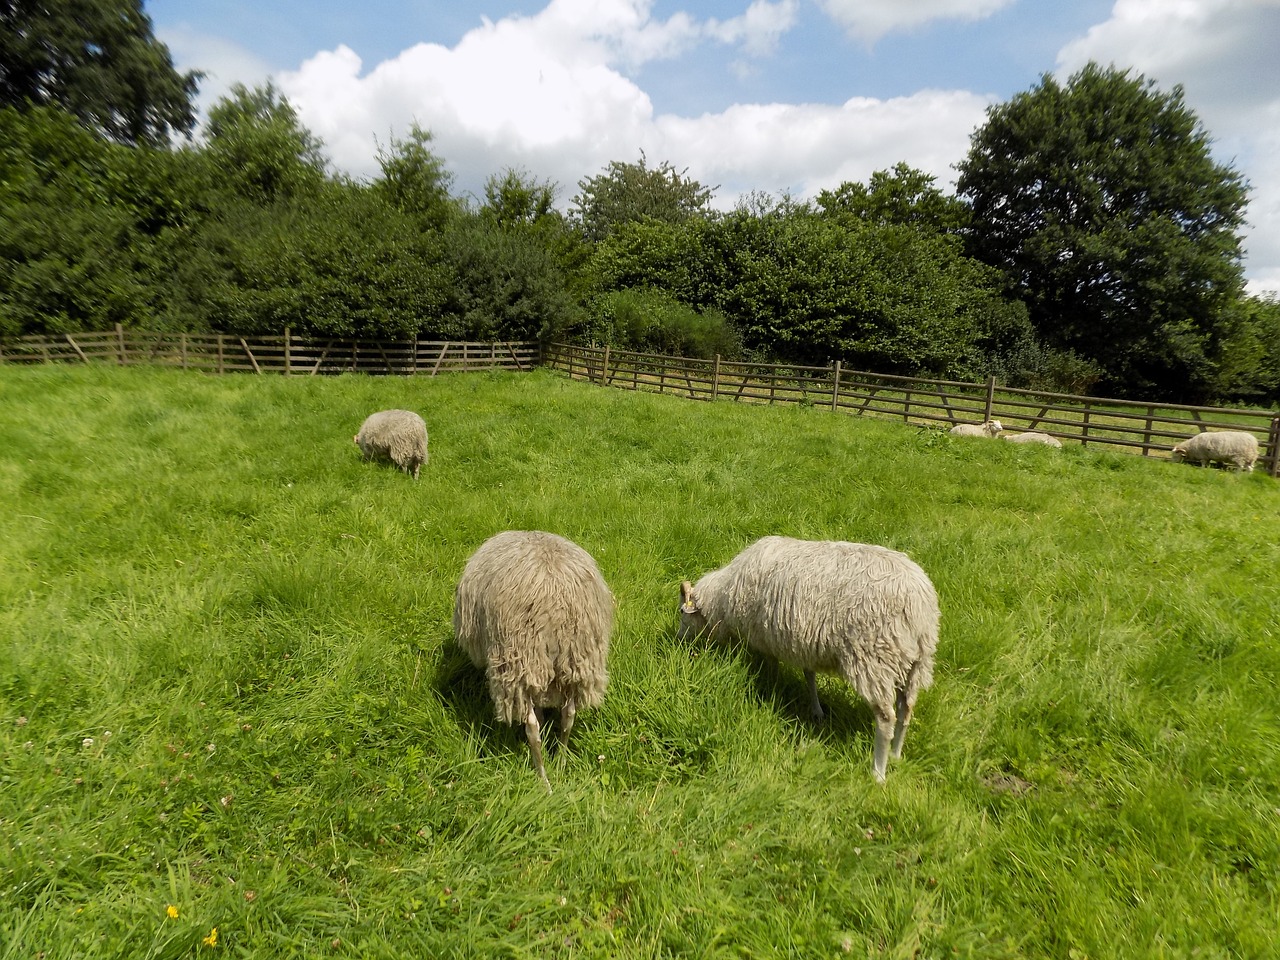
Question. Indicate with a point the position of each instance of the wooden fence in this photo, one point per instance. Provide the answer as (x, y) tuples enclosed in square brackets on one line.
[(1150, 429), (286, 354)]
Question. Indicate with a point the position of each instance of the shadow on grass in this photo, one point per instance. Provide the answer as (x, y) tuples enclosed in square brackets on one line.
[(846, 715)]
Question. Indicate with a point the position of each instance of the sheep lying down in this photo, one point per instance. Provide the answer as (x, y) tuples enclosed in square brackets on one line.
[(533, 611), (863, 612), (988, 428)]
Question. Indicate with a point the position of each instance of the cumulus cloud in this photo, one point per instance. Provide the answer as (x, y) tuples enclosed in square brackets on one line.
[(548, 94), (1223, 54), (869, 20)]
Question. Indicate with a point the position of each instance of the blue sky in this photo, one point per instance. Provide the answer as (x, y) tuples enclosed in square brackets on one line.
[(747, 95)]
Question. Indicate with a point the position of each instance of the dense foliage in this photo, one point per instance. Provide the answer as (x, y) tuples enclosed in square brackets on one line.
[(1102, 205), (1094, 243), (98, 60)]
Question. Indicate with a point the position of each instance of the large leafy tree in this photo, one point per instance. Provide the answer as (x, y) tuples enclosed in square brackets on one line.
[(628, 192), (903, 196), (259, 149), (1101, 203), (98, 60), (414, 178)]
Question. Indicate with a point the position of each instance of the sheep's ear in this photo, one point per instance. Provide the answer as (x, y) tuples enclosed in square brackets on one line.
[(687, 603)]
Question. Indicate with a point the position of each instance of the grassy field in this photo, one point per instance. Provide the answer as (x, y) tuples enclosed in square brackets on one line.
[(232, 718)]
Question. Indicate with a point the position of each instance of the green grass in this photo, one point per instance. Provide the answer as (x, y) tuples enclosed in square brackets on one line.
[(299, 757)]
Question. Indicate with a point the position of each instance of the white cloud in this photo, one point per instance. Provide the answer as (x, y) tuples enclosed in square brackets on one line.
[(870, 20), (760, 28), (1223, 54), (543, 93)]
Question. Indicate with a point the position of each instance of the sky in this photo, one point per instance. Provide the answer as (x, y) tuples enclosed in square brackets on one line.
[(772, 96)]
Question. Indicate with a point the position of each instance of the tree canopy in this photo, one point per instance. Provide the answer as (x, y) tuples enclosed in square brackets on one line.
[(99, 61), (627, 192), (1100, 202)]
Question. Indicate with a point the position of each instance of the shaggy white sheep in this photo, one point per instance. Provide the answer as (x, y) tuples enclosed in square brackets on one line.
[(396, 435), (866, 613), (1236, 447), (988, 428), (1034, 437), (533, 611)]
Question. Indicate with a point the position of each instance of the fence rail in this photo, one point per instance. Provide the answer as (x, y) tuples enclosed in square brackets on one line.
[(1150, 429), (287, 354)]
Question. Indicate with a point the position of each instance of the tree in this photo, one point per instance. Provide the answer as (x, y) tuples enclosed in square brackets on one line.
[(99, 61), (414, 180), (627, 192), (1101, 204), (903, 196), (259, 149)]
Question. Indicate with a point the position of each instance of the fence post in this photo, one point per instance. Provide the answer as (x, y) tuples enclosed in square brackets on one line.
[(288, 365), (835, 388), (604, 368), (1084, 427), (120, 344), (1275, 447), (1146, 436), (715, 379), (220, 354), (184, 350), (991, 397)]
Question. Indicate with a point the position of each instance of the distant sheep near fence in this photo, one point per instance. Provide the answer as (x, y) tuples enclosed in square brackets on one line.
[(534, 612), (866, 613), (396, 435), (988, 428), (1234, 447)]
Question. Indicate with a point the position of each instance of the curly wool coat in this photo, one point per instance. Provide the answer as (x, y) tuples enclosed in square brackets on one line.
[(864, 612), (1236, 447), (396, 435), (533, 611)]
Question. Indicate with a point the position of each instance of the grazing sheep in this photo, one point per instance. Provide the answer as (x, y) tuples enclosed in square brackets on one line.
[(988, 428), (864, 612), (396, 435), (1236, 447), (1034, 437), (533, 611)]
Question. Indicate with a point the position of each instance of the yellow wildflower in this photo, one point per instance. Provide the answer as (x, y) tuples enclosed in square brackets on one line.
[(172, 911), (212, 939)]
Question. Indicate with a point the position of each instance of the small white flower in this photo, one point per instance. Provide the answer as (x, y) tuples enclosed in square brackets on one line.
[(210, 747), (87, 742)]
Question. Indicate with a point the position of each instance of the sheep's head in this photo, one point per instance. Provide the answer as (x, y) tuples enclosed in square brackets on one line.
[(692, 619), (992, 428), (1178, 453)]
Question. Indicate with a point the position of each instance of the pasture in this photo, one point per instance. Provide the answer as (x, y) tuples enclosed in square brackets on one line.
[(233, 720)]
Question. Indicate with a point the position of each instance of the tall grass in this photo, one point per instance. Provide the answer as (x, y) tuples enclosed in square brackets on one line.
[(228, 686)]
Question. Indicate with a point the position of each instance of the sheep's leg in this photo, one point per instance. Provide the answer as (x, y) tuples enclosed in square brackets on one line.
[(884, 731), (567, 713), (815, 708), (533, 733), (903, 712)]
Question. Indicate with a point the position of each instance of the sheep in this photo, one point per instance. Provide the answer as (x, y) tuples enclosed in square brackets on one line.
[(988, 428), (864, 612), (1236, 447), (533, 611), (1034, 437), (396, 435)]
